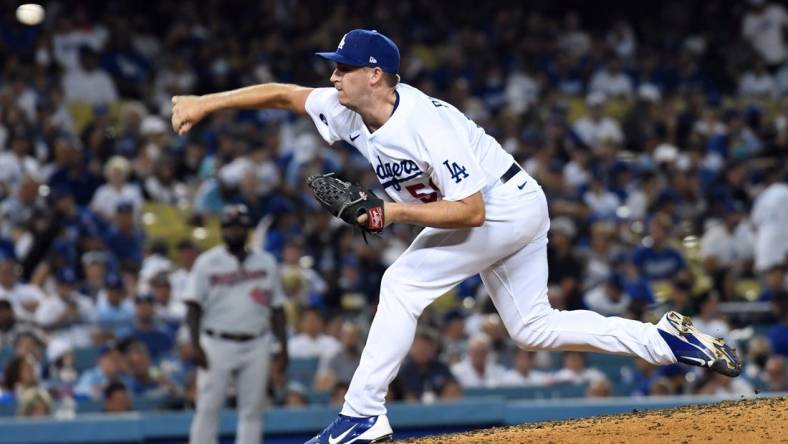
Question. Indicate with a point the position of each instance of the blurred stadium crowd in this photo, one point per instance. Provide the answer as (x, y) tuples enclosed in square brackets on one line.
[(659, 135)]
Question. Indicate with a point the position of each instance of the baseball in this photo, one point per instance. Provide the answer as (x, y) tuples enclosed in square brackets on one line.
[(30, 14)]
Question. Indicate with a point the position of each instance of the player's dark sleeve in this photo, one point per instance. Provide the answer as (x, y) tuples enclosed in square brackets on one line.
[(193, 316)]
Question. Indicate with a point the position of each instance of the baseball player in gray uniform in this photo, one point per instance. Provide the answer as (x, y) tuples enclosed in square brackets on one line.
[(484, 215), (234, 300)]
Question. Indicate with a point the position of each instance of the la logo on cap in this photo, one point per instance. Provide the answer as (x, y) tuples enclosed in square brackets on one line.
[(342, 42)]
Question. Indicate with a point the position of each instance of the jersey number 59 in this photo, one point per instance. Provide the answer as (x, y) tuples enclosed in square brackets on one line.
[(424, 192)]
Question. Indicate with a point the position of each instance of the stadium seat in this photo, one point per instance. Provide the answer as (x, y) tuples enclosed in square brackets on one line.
[(529, 392), (610, 365), (85, 358), (90, 406), (319, 398), (8, 408), (5, 355), (302, 370), (147, 404)]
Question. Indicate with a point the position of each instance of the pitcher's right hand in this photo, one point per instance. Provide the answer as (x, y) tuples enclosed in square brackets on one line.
[(186, 112)]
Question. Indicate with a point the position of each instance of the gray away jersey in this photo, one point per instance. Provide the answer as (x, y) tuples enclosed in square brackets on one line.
[(236, 299)]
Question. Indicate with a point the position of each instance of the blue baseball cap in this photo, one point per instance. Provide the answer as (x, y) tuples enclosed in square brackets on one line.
[(114, 282), (361, 47), (66, 276)]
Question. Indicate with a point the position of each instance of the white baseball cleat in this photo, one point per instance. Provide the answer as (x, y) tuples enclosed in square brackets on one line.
[(691, 346)]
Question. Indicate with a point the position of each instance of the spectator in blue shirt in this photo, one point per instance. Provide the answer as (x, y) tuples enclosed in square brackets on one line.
[(423, 376), (114, 310), (124, 238), (659, 261), (778, 335), (117, 398), (774, 284), (71, 173), (142, 381), (146, 330), (109, 368)]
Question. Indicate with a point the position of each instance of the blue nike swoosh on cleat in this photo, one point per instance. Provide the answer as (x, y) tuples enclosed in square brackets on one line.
[(521, 186), (353, 139)]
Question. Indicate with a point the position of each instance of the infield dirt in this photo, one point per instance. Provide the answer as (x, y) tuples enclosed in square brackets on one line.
[(747, 421)]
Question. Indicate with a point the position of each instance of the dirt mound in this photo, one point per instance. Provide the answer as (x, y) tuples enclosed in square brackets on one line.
[(746, 421)]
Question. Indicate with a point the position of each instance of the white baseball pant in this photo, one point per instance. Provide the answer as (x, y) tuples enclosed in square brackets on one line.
[(510, 253), (250, 361)]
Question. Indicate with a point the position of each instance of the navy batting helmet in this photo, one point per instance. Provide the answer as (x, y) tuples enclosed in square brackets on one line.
[(236, 215)]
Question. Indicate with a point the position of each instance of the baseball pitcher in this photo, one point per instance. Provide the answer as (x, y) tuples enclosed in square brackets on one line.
[(484, 215)]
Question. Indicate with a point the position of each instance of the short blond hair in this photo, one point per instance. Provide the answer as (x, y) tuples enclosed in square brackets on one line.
[(117, 162)]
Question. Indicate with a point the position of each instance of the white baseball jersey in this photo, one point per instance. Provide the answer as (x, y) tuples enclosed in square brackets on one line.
[(235, 298), (427, 150)]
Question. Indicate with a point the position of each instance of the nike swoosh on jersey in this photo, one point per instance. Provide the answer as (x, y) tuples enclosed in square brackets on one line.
[(332, 440), (353, 139), (521, 186)]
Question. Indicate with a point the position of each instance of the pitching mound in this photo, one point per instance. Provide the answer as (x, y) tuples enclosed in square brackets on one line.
[(750, 421)]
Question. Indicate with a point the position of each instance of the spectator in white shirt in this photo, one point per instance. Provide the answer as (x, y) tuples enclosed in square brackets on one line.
[(781, 120), (709, 319), (781, 80), (24, 298), (608, 299), (599, 388), (340, 367), (168, 309), (66, 313), (602, 202), (11, 329), (776, 374), (94, 266), (478, 369), (601, 255), (612, 81), (764, 26), (89, 83), (720, 385), (312, 342), (758, 83), (769, 213), (710, 124), (523, 373), (117, 190), (644, 195), (575, 370), (522, 91), (114, 309), (302, 283), (187, 254), (595, 127), (17, 210), (621, 38), (574, 40), (17, 162), (728, 243), (577, 172)]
